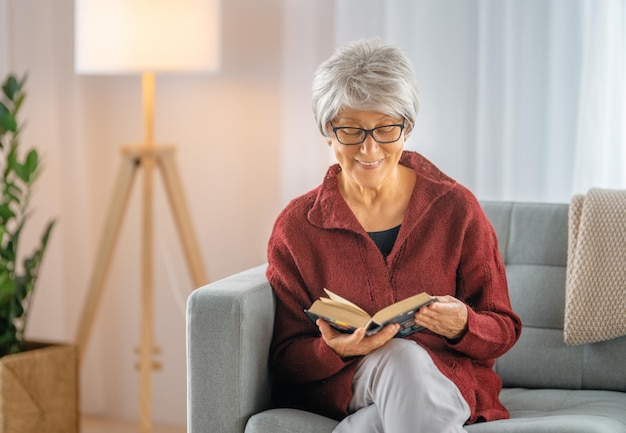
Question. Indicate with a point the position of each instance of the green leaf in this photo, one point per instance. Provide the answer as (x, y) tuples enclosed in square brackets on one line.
[(13, 192), (7, 338), (32, 162), (20, 170), (12, 198), (46, 235), (17, 103), (7, 287), (12, 86), (6, 213), (11, 187), (7, 123), (17, 309), (7, 253)]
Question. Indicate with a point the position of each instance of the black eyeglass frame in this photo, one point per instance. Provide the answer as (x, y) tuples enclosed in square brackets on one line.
[(368, 131)]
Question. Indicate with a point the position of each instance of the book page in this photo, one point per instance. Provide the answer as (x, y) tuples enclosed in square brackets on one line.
[(337, 298), (339, 313), (401, 307)]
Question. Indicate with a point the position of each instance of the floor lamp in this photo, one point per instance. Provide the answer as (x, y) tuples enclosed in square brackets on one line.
[(144, 37)]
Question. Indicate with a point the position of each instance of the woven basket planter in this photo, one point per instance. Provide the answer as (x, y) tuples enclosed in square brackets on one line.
[(39, 390)]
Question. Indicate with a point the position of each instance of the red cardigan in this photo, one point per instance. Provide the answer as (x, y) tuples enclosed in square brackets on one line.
[(446, 246)]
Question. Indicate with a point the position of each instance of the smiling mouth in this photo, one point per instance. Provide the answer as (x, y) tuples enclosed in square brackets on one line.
[(370, 164)]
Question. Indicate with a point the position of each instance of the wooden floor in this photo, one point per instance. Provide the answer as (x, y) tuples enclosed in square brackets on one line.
[(91, 424)]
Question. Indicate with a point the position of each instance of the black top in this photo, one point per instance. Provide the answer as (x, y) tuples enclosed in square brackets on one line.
[(384, 240)]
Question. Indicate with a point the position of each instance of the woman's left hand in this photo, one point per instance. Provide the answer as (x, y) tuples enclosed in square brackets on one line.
[(357, 343), (446, 317)]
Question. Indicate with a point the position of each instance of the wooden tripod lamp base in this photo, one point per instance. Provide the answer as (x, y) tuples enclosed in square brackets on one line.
[(146, 158)]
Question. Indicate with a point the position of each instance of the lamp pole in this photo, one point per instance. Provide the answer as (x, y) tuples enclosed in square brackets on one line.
[(146, 350)]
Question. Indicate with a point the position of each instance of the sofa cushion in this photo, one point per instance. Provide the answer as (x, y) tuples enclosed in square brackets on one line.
[(289, 421), (532, 411), (559, 411)]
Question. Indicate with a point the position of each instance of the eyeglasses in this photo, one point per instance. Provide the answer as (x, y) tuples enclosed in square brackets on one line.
[(385, 134)]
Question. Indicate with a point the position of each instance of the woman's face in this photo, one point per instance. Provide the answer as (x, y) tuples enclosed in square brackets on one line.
[(370, 164)]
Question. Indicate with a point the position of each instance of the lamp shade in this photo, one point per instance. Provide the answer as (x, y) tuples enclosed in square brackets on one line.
[(134, 36)]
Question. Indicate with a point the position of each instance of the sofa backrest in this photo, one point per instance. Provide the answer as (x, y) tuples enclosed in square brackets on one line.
[(533, 244)]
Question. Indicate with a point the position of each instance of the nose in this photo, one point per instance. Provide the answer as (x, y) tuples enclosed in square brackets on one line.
[(369, 145)]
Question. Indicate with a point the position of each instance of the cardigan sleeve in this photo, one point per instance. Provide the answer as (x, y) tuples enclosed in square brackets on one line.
[(493, 327), (298, 354)]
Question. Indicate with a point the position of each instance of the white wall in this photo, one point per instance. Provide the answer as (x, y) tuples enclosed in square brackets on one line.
[(226, 127), (308, 39)]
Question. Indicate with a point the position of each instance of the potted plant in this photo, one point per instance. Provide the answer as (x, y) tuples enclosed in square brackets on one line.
[(38, 390)]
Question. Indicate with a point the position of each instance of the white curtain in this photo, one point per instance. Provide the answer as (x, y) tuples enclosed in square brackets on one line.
[(600, 153), (521, 100)]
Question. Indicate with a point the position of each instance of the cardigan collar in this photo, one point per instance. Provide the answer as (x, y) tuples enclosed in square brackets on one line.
[(330, 211)]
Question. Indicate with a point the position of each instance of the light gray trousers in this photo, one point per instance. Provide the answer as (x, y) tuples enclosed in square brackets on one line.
[(398, 389)]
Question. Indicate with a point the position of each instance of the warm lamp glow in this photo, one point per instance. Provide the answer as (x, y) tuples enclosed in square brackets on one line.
[(134, 36)]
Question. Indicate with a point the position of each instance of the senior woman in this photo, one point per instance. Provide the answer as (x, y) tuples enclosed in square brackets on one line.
[(386, 224)]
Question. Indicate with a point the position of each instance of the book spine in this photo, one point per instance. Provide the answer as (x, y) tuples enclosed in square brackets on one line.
[(340, 326)]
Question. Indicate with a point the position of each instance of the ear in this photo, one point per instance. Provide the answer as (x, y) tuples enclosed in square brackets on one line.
[(329, 141)]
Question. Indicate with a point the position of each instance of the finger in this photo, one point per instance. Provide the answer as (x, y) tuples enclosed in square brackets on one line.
[(446, 305), (425, 321), (386, 334), (325, 328), (328, 332), (358, 335), (428, 311), (451, 301)]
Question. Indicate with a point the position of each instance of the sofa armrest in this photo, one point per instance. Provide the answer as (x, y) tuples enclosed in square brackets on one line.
[(229, 330)]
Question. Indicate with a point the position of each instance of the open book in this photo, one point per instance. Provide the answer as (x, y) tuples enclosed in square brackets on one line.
[(345, 316)]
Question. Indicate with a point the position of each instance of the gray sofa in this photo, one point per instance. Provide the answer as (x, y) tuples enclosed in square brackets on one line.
[(549, 387)]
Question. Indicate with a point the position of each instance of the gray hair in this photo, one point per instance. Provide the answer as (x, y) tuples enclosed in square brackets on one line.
[(365, 75)]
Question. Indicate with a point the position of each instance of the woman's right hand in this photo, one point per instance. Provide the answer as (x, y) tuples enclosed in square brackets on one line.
[(357, 343)]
